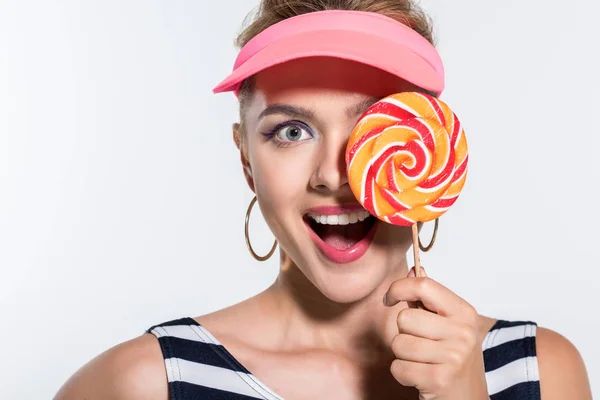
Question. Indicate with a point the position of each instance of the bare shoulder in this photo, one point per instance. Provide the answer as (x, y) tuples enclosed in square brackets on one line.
[(131, 370), (562, 370), (249, 313)]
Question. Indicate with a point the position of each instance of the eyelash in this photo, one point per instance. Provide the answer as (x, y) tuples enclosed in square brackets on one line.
[(271, 135)]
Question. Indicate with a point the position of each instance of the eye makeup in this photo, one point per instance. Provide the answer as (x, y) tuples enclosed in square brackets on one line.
[(273, 134)]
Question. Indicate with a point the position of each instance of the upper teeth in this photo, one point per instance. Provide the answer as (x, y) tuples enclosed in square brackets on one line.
[(341, 219)]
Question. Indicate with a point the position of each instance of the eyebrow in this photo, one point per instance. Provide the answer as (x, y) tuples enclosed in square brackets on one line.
[(301, 112), (286, 109)]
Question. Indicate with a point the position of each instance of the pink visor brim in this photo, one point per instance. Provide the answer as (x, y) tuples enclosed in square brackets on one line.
[(398, 50)]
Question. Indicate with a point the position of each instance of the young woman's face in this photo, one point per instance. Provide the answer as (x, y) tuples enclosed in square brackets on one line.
[(297, 127)]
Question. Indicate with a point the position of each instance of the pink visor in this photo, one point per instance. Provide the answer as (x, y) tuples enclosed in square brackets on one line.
[(365, 37)]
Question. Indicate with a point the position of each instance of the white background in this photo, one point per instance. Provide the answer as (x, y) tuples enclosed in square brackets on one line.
[(122, 201)]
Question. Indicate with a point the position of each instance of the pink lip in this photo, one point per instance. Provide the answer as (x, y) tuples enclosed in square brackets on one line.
[(342, 256)]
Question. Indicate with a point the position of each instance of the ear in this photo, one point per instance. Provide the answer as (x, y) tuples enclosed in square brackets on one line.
[(243, 155)]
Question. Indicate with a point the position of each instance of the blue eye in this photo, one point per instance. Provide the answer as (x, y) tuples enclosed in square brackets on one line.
[(293, 133), (289, 133)]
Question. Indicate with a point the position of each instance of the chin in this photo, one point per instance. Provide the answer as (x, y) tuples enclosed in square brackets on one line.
[(349, 292), (350, 282), (348, 263)]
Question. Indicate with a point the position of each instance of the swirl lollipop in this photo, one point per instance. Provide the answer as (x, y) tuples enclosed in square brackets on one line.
[(407, 160)]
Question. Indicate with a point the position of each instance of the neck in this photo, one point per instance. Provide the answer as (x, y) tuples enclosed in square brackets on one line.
[(306, 319)]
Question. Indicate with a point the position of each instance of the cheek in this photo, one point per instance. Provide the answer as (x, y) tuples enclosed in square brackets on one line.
[(398, 238), (281, 176)]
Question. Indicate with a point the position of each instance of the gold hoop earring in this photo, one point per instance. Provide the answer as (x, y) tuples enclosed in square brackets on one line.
[(250, 249), (430, 245)]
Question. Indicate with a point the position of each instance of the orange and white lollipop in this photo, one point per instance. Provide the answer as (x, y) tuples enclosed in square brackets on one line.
[(407, 158)]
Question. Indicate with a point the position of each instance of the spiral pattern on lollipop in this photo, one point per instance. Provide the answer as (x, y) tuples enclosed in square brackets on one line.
[(407, 158)]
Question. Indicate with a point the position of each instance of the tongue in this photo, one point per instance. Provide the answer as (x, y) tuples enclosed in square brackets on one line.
[(343, 237)]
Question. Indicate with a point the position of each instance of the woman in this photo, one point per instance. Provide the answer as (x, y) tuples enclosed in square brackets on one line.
[(341, 320)]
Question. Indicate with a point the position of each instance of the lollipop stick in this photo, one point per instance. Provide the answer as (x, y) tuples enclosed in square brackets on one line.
[(415, 233)]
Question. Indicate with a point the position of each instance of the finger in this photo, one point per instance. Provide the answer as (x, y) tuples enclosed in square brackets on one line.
[(427, 325), (410, 373), (414, 304), (417, 349), (434, 296)]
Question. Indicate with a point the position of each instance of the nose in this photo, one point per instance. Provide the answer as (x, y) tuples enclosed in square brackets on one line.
[(330, 173)]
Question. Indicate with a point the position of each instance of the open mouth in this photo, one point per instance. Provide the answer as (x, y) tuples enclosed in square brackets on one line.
[(343, 234), (341, 231)]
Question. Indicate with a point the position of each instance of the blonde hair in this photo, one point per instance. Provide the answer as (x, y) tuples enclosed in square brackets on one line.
[(270, 12)]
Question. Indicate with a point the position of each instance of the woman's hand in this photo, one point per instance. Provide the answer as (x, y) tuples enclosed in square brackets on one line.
[(439, 351)]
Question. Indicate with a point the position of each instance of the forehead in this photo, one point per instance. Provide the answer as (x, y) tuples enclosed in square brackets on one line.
[(325, 75)]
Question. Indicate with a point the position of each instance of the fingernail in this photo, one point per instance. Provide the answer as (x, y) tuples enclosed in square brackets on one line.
[(411, 273)]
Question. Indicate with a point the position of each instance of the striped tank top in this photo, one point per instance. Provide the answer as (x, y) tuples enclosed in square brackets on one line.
[(199, 367)]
